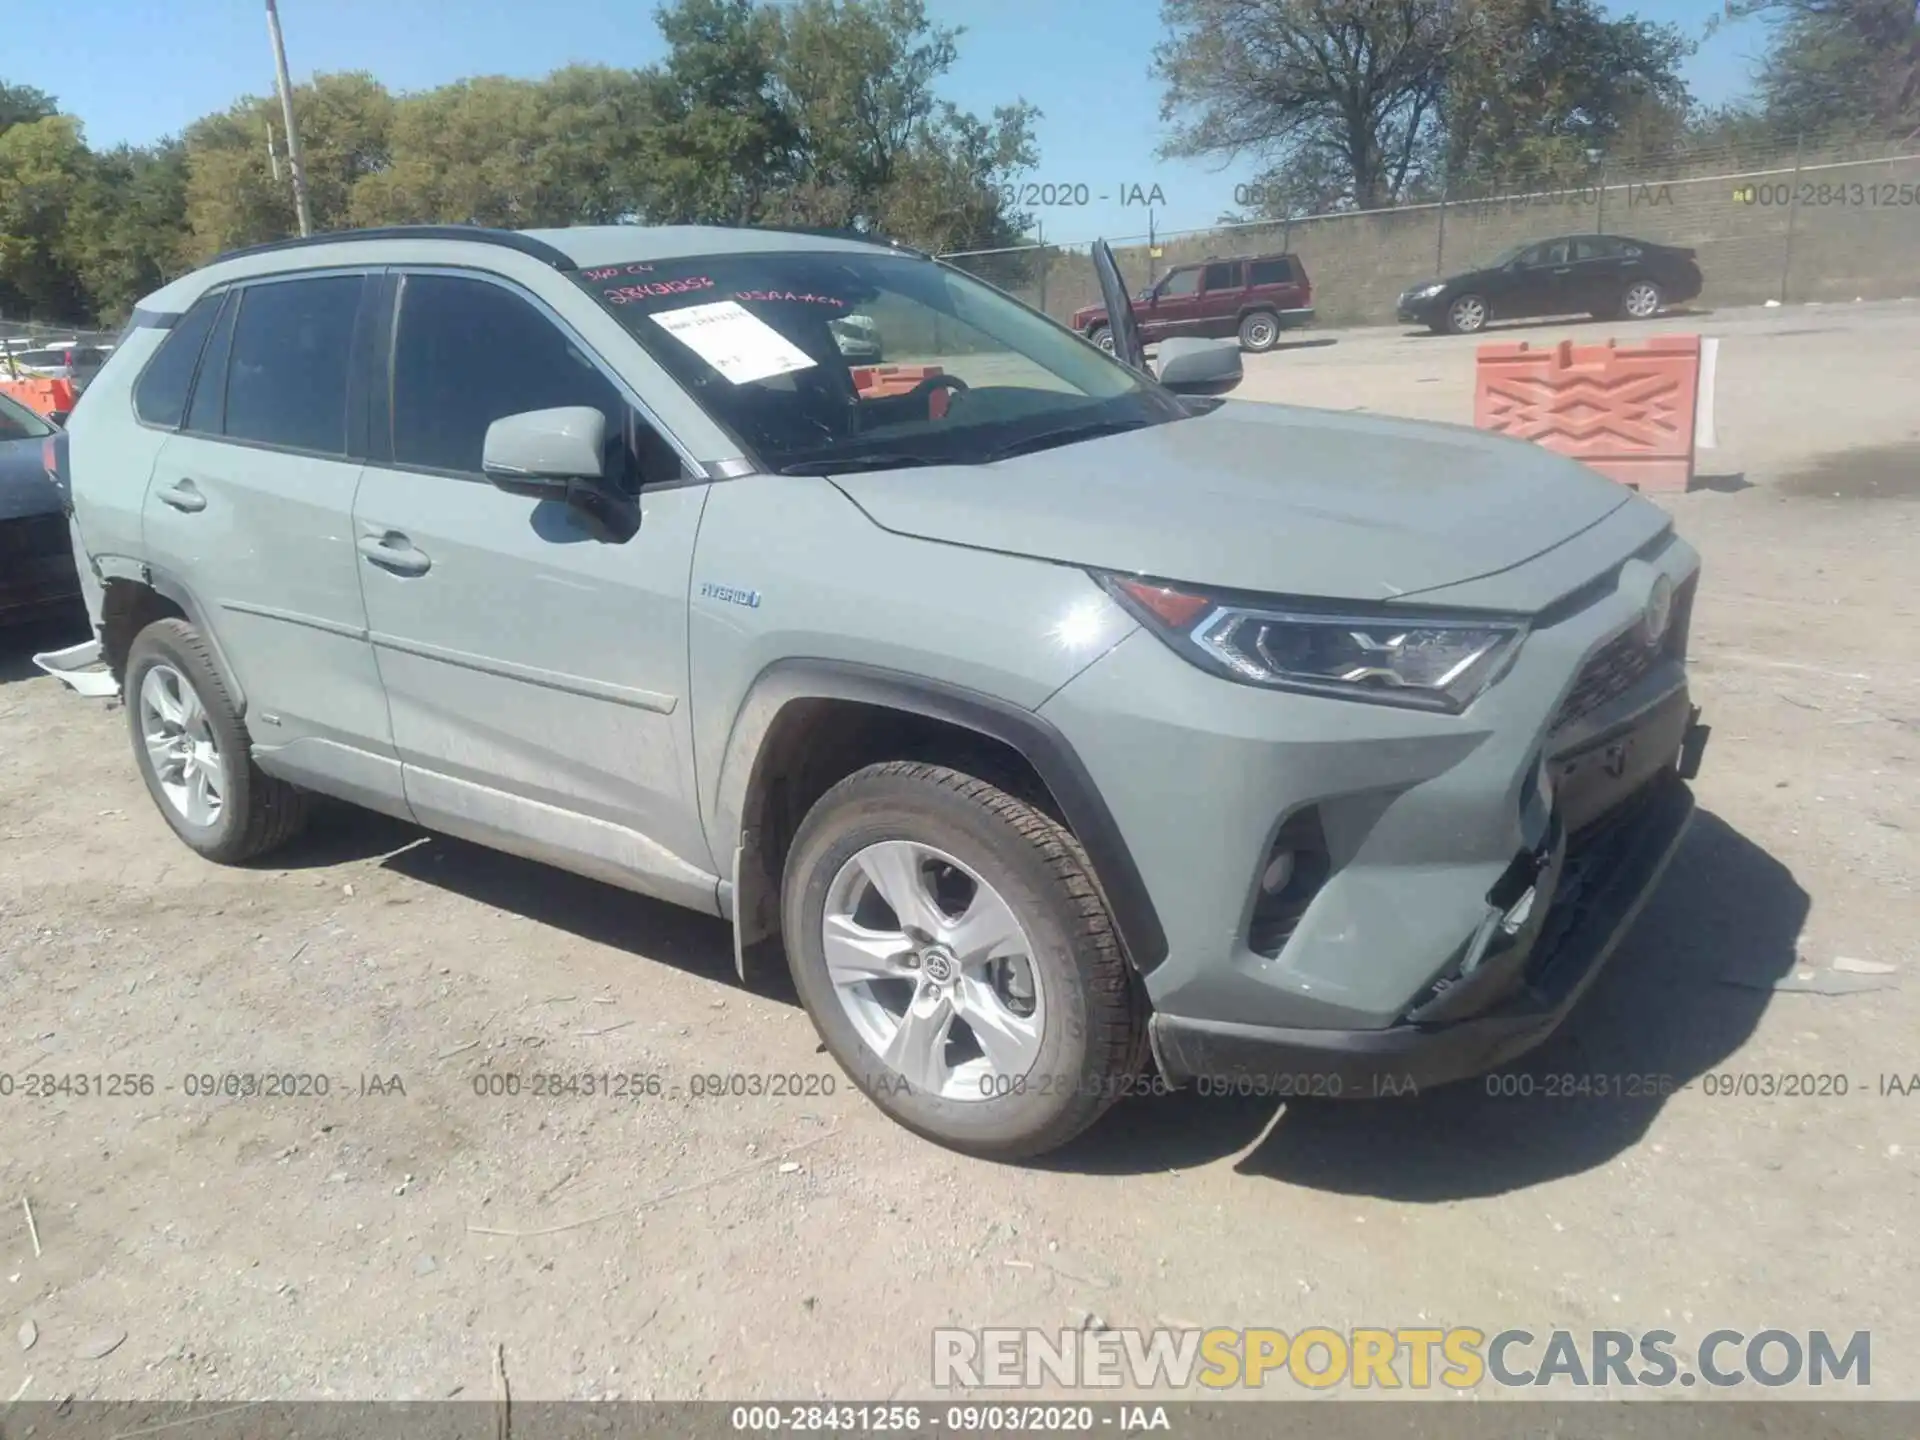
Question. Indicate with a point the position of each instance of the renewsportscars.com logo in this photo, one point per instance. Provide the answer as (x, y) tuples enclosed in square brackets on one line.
[(1460, 1358)]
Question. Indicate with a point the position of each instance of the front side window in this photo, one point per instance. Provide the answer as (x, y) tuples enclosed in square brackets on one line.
[(469, 352), (287, 377), (753, 339), (160, 397), (1181, 282)]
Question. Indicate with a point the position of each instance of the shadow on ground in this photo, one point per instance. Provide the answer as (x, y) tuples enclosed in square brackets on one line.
[(1684, 992), (20, 643), (1498, 328), (649, 930)]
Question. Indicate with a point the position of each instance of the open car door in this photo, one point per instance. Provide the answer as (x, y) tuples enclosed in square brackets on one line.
[(1127, 345)]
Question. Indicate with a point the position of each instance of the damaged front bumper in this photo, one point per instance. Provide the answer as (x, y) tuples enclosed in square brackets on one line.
[(1552, 922)]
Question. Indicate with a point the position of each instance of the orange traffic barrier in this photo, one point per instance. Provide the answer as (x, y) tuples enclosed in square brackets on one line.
[(48, 397), (874, 381), (1628, 410)]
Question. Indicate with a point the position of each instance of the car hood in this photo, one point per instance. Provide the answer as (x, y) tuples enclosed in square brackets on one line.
[(24, 487), (1272, 498)]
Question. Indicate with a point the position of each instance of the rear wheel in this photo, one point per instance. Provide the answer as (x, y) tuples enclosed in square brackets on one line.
[(1467, 315), (1259, 331), (194, 753), (1102, 336), (957, 959)]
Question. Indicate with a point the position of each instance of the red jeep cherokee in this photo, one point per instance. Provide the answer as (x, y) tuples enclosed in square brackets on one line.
[(1254, 297)]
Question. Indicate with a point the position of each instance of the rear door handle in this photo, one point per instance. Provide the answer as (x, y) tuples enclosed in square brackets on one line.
[(394, 552), (183, 495), (1564, 270)]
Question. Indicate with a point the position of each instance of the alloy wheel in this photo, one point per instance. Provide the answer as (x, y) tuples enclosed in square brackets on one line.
[(934, 970), (181, 746), (1642, 300), (1468, 314)]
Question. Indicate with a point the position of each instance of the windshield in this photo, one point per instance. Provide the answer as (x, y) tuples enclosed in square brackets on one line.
[(17, 422), (791, 352)]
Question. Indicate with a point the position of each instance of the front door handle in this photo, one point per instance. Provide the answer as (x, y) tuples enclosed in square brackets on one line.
[(394, 552), (183, 495)]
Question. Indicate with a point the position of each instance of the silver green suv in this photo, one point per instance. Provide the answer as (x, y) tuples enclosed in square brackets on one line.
[(1071, 731)]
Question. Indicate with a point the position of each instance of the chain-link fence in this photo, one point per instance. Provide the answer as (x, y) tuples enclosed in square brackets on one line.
[(1809, 220), (28, 342)]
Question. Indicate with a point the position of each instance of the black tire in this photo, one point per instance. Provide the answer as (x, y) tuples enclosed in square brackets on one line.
[(258, 813), (1259, 331), (1461, 312), (1093, 1040), (1102, 336)]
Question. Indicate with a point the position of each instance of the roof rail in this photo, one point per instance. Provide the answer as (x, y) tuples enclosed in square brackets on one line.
[(477, 234)]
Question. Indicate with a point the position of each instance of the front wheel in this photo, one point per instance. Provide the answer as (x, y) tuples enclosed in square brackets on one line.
[(194, 753), (950, 945), (1102, 336), (1467, 315)]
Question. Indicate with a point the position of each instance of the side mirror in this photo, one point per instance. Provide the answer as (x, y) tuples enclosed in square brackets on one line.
[(547, 452), (1191, 366)]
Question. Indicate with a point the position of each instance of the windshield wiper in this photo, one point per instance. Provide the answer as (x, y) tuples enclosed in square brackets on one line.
[(1065, 435), (884, 460)]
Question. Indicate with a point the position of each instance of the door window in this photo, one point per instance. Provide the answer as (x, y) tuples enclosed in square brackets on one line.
[(1224, 277), (160, 397), (1596, 247), (1180, 282), (287, 379), (470, 352)]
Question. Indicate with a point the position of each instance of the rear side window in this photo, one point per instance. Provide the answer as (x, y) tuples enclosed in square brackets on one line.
[(287, 378), (1271, 272), (1223, 277), (208, 412), (161, 396)]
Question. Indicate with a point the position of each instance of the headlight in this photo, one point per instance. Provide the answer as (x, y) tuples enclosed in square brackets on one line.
[(1422, 660), (1421, 292)]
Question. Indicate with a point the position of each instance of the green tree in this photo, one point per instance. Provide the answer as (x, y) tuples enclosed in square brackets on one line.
[(233, 195), (1840, 65), (1542, 87), (43, 168), (22, 105), (124, 236)]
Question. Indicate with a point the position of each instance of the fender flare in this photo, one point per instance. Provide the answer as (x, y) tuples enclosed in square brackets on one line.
[(785, 682), (171, 587)]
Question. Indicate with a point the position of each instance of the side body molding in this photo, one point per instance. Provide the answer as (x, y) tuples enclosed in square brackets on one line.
[(739, 819)]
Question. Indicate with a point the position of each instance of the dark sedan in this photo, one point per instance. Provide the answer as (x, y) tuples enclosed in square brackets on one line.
[(1605, 276), (38, 578)]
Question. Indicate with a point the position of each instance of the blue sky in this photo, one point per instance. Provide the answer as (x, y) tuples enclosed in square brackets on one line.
[(143, 71)]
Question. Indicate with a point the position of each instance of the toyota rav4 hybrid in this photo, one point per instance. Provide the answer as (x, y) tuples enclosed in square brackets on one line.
[(1088, 728)]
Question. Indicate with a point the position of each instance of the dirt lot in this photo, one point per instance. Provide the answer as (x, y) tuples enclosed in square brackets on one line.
[(359, 1244)]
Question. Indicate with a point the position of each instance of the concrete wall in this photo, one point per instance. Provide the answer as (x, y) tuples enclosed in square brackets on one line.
[(1854, 232)]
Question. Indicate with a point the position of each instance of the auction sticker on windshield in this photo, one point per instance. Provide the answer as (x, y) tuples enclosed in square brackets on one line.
[(740, 345)]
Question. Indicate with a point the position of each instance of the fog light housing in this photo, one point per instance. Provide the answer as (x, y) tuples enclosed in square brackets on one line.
[(1297, 864)]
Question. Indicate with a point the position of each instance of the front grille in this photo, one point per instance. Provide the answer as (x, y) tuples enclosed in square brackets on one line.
[(1618, 665), (34, 535)]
